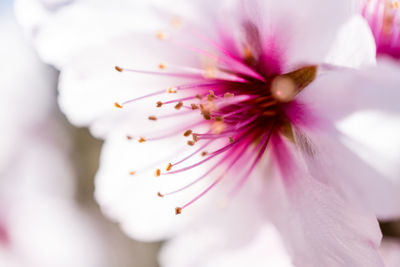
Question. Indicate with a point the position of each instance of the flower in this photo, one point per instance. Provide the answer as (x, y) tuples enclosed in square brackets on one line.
[(290, 124), (384, 20)]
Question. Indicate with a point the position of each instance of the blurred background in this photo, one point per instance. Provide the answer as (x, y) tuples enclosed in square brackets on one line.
[(48, 216)]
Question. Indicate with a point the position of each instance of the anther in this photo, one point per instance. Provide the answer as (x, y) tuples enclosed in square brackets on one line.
[(178, 210), (231, 140), (152, 118), (218, 118), (161, 35), (169, 166), (190, 143), (117, 105), (206, 115), (119, 69), (128, 137), (159, 194), (171, 90), (204, 153), (132, 173), (161, 66), (158, 173), (194, 106), (159, 104), (195, 137), (179, 105), (228, 95), (142, 140), (199, 96), (187, 133)]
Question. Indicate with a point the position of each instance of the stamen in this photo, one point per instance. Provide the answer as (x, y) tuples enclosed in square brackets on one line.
[(179, 105), (159, 104), (178, 210), (132, 172), (159, 194), (129, 137), (187, 133), (152, 118), (171, 90), (119, 69), (190, 143), (158, 173), (161, 35), (142, 140), (194, 106), (117, 105), (161, 66), (169, 166)]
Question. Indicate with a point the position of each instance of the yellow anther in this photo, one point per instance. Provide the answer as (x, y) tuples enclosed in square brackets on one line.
[(132, 173), (169, 166), (158, 173), (142, 140), (117, 105)]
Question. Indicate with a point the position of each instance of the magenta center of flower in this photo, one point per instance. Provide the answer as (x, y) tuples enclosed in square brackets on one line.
[(240, 104)]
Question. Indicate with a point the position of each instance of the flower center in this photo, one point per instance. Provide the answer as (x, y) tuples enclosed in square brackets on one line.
[(239, 108)]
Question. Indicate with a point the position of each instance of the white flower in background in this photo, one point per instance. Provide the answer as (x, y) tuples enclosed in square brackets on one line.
[(40, 223), (293, 127)]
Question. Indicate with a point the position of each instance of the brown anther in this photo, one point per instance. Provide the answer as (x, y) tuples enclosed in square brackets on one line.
[(142, 140), (195, 137), (228, 95), (161, 35), (187, 133), (129, 137), (206, 115), (178, 210), (161, 66), (152, 118), (132, 173), (169, 166), (194, 106), (269, 113), (171, 90), (190, 143), (159, 104), (248, 55), (159, 194), (201, 106), (158, 173), (199, 96), (204, 153), (179, 105), (119, 69), (231, 140), (218, 118), (117, 105)]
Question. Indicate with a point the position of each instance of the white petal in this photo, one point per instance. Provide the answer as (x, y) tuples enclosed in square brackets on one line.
[(293, 32), (390, 251), (90, 85), (319, 227), (213, 247), (356, 119), (354, 46)]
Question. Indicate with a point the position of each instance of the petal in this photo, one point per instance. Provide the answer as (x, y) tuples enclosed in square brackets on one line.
[(291, 32), (354, 46), (358, 124), (319, 227), (210, 248), (131, 199), (60, 30), (90, 85), (390, 251)]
